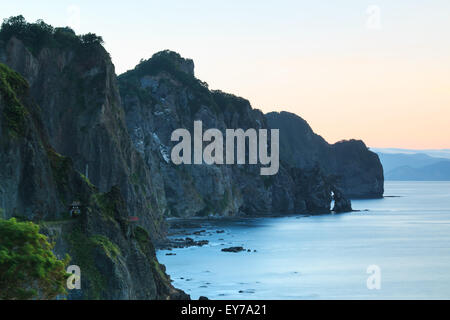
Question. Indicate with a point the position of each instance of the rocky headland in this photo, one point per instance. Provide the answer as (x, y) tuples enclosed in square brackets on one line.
[(72, 131)]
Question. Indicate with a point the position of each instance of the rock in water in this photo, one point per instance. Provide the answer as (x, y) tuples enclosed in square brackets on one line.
[(233, 249), (358, 171), (159, 97), (64, 114), (341, 203)]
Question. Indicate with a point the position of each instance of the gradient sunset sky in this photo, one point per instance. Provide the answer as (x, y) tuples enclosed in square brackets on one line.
[(372, 70)]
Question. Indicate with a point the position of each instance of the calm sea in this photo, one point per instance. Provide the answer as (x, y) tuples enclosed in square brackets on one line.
[(406, 234)]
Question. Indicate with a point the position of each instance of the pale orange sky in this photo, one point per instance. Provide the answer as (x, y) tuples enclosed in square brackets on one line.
[(388, 85), (394, 101)]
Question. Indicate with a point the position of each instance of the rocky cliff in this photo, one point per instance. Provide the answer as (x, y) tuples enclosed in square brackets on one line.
[(162, 94), (71, 131), (354, 168), (75, 87), (62, 139)]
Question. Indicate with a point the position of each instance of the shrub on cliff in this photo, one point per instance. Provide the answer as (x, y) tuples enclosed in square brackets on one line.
[(40, 34), (28, 267), (180, 69), (12, 86)]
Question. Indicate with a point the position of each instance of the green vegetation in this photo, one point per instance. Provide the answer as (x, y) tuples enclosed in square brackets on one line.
[(61, 167), (143, 240), (28, 268), (111, 250), (83, 251), (131, 87), (230, 102), (13, 86), (170, 62), (148, 249), (108, 202), (160, 270), (215, 207), (38, 35), (87, 181)]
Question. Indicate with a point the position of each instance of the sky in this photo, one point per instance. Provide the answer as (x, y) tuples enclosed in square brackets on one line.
[(372, 70)]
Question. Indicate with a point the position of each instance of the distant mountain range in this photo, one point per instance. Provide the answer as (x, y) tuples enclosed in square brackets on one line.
[(435, 153), (415, 165)]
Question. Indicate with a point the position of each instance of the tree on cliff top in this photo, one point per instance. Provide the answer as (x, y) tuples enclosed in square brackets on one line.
[(28, 267), (40, 34)]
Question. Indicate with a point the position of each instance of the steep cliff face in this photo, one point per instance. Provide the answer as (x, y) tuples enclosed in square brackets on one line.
[(50, 115), (162, 94), (156, 102), (357, 171), (75, 88), (117, 259), (28, 185)]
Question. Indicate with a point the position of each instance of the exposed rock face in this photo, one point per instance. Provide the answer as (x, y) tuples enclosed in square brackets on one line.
[(37, 183), (65, 135), (28, 183), (76, 90), (117, 259), (158, 97), (356, 170), (341, 204)]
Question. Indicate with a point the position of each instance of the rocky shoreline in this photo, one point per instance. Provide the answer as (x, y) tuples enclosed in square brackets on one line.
[(181, 231)]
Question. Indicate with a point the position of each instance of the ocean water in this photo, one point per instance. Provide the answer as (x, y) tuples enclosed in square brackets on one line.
[(406, 234)]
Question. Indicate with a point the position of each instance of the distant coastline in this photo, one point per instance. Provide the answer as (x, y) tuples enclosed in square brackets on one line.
[(415, 165)]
